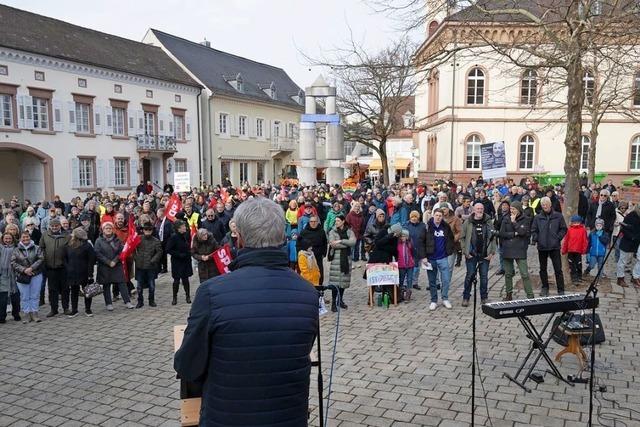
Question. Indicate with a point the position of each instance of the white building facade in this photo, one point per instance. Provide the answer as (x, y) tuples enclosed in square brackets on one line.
[(477, 97), (250, 112), (72, 124)]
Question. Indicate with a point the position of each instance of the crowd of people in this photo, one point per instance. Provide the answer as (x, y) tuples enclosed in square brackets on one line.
[(64, 247)]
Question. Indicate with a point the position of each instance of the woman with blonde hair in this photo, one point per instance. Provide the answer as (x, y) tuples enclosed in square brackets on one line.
[(27, 262)]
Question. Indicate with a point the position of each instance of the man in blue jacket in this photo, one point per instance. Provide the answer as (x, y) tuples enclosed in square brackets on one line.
[(250, 332)]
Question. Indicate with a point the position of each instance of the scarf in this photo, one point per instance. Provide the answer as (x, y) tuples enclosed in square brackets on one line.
[(344, 252)]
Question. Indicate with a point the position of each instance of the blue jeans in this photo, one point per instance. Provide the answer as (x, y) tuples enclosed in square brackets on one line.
[(595, 261), (357, 252), (483, 269), (406, 275), (440, 266), (30, 294), (416, 271)]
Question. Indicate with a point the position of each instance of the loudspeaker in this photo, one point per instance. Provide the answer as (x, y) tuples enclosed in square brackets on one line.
[(585, 319)]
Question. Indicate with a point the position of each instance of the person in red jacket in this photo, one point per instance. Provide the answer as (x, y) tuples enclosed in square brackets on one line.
[(356, 221), (575, 244)]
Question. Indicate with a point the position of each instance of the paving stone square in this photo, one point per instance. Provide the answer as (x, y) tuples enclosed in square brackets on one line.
[(402, 366)]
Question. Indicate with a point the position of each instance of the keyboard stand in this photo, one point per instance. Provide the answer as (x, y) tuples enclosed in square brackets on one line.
[(540, 344)]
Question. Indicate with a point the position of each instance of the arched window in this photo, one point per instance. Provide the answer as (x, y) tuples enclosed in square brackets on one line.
[(433, 26), (473, 151), (636, 90), (529, 88), (433, 94), (475, 87), (589, 86), (634, 163), (584, 154), (527, 151)]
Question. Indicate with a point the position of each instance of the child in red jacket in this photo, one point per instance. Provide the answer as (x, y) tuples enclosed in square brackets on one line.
[(575, 244)]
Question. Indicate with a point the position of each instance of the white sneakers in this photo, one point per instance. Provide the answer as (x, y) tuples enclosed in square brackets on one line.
[(433, 306), (129, 305), (446, 304), (110, 307)]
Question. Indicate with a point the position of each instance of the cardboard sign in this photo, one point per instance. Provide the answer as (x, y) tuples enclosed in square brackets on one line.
[(493, 158), (629, 194), (383, 274), (182, 182)]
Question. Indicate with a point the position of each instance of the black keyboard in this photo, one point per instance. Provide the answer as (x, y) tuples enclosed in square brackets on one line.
[(542, 305)]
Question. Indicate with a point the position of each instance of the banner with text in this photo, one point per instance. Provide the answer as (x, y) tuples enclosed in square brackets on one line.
[(383, 274)]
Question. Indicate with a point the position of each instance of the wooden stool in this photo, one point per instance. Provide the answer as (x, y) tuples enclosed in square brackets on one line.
[(189, 408), (573, 345), (394, 299)]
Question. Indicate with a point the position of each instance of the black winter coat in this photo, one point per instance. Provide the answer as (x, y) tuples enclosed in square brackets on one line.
[(630, 232), (548, 230), (215, 227), (206, 269), (430, 241), (608, 215), (385, 247), (78, 263), (179, 249), (248, 341), (418, 233), (514, 237), (316, 238), (107, 251)]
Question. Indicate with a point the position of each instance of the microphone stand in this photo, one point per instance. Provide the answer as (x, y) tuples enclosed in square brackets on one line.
[(474, 283), (592, 292)]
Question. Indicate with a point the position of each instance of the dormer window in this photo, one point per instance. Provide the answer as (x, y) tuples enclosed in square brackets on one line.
[(239, 83), (299, 98), (272, 90)]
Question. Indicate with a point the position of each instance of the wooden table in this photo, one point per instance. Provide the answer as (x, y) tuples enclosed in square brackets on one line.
[(189, 408), (573, 345), (394, 299)]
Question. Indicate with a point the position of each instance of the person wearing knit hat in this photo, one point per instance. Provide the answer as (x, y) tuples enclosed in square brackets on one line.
[(414, 214), (514, 238), (79, 258), (597, 249)]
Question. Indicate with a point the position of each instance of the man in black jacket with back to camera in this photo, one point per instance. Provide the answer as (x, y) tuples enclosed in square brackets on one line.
[(250, 331)]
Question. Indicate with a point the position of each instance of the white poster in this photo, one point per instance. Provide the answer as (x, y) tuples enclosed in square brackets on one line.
[(493, 159), (182, 182)]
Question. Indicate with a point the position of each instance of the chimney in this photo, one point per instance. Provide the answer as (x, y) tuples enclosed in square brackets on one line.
[(206, 43)]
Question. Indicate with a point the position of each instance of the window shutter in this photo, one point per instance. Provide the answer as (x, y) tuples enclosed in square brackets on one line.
[(140, 116), (187, 128), (97, 119), (267, 129), (71, 109), (192, 176), (171, 132), (102, 173), (108, 119), (171, 165), (132, 122), (161, 126), (133, 173), (216, 126), (28, 108), (75, 173), (58, 124), (21, 112), (112, 173)]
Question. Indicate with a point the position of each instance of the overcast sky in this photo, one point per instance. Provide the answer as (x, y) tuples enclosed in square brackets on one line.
[(270, 31)]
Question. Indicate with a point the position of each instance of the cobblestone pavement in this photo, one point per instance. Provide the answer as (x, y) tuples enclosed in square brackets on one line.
[(404, 366)]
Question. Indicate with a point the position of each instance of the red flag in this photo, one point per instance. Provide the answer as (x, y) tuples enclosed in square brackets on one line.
[(133, 240), (224, 195), (174, 205), (222, 257)]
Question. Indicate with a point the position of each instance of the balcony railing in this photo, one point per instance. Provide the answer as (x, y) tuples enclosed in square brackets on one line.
[(280, 143), (156, 143)]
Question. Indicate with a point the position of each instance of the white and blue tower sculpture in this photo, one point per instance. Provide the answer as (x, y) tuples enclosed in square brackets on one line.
[(309, 125)]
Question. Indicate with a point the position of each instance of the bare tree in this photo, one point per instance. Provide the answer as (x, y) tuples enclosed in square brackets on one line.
[(559, 36), (371, 91)]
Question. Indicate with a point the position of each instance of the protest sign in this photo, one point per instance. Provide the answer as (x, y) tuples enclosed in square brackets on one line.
[(182, 182), (493, 159), (383, 274)]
